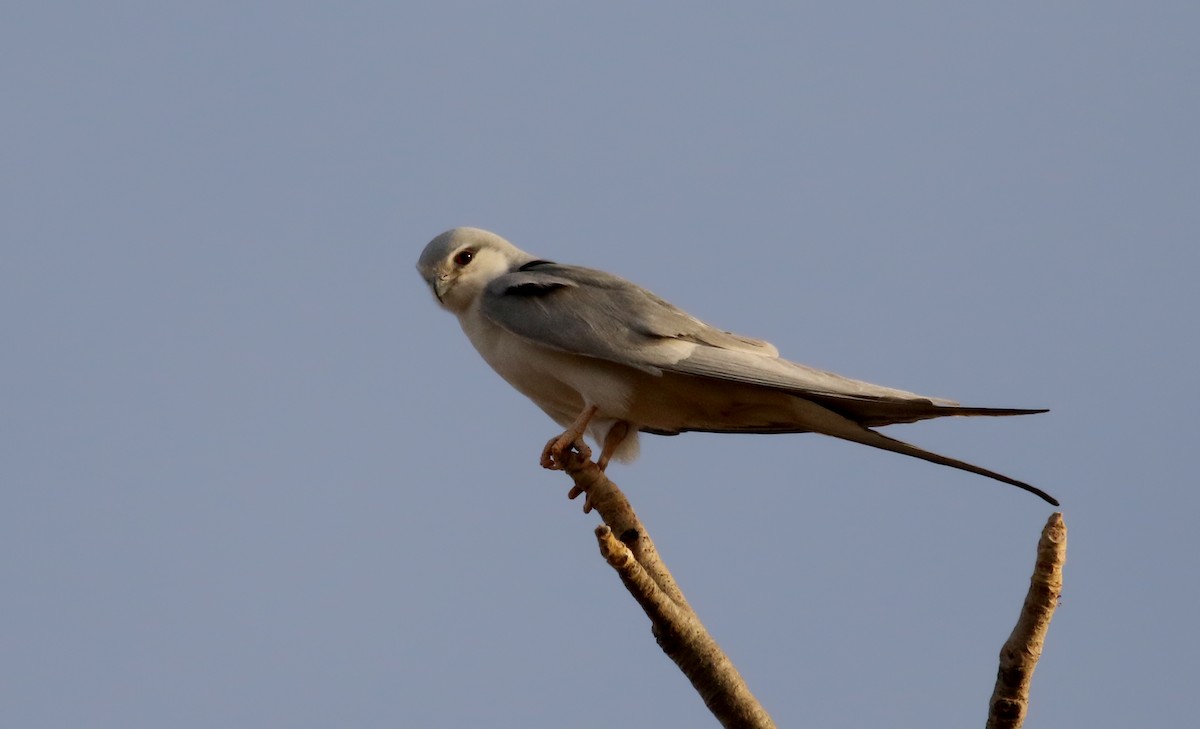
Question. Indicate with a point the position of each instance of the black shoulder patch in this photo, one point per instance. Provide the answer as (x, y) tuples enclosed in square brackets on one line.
[(534, 264), (533, 289)]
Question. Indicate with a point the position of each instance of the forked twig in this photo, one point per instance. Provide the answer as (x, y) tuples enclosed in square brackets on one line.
[(627, 547)]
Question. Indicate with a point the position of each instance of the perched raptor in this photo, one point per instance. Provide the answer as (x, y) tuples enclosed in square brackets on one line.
[(605, 357)]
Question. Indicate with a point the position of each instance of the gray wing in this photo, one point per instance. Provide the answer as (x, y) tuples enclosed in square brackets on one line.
[(596, 314), (593, 313)]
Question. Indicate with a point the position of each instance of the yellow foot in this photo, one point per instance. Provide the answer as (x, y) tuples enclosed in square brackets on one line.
[(558, 449), (555, 451)]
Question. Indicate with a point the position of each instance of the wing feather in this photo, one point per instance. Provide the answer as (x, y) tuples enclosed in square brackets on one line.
[(596, 314), (593, 313)]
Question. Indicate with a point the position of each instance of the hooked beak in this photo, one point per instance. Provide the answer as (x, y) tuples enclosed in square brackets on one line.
[(439, 283)]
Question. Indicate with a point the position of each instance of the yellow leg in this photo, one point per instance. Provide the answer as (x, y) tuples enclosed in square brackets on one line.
[(552, 454), (615, 437)]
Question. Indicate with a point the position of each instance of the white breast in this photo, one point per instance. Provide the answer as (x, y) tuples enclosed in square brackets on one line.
[(560, 383)]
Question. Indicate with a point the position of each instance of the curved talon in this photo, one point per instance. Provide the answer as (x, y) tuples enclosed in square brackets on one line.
[(556, 450), (577, 491), (547, 459)]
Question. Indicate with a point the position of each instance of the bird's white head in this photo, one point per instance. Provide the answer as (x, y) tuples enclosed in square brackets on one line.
[(461, 262)]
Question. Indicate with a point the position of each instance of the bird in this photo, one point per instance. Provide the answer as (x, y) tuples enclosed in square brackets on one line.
[(606, 358)]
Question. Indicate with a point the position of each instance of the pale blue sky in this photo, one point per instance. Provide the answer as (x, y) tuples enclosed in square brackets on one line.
[(251, 476)]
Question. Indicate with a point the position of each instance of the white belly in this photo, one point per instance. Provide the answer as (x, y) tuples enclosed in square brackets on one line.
[(560, 383)]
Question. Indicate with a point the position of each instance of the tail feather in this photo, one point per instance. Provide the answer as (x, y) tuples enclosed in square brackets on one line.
[(960, 410), (876, 412), (878, 440), (831, 423)]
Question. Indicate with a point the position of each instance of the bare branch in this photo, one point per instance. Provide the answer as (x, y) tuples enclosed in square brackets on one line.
[(627, 547), (1020, 654), (603, 495)]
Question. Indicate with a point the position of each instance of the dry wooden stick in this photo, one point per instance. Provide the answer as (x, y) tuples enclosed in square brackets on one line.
[(627, 547), (1019, 656)]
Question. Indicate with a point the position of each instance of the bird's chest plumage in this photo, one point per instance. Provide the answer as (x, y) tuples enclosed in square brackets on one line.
[(560, 383)]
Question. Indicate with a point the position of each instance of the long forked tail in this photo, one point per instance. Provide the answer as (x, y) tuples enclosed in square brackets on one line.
[(841, 427), (878, 440)]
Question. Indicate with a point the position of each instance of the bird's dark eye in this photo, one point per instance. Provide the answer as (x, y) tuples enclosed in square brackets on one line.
[(462, 258)]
